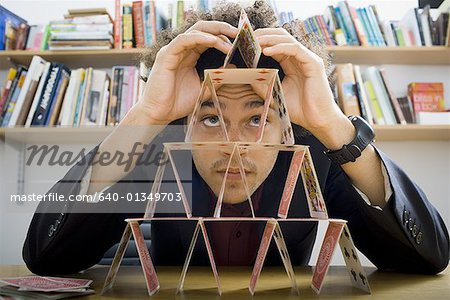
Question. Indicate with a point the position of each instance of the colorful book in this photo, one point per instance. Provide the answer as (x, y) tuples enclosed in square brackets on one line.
[(393, 98), (138, 24), (127, 26), (12, 72), (14, 96), (8, 17), (55, 108), (427, 96), (66, 114), (375, 104)]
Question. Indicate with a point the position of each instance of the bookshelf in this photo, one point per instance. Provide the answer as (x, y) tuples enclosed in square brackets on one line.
[(436, 55), (86, 135)]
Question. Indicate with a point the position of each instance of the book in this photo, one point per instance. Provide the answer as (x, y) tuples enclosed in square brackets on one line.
[(393, 99), (427, 25), (127, 26), (343, 26), (373, 15), (375, 104), (84, 96), (65, 117), (113, 105), (48, 95), (360, 31), (12, 72), (79, 99), (138, 24), (104, 102), (8, 17), (34, 38), (362, 15), (93, 105), (349, 26), (55, 108), (362, 96), (348, 100), (373, 74), (427, 96), (389, 34), (406, 107), (14, 96), (37, 94), (25, 98), (410, 24), (148, 39), (433, 118), (117, 25)]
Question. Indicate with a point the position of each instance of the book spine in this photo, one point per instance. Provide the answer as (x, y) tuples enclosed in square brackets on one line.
[(127, 27), (343, 25), (153, 20), (325, 30), (377, 112), (59, 96), (138, 24), (7, 88), (49, 90), (14, 97), (38, 93), (117, 25), (45, 38), (346, 90), (373, 15), (362, 95), (11, 93), (86, 93), (394, 103), (419, 26), (180, 13), (362, 37), (111, 118), (118, 111), (369, 27), (348, 23), (147, 24), (79, 99)]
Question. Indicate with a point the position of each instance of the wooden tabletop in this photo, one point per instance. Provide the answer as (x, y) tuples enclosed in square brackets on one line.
[(273, 283)]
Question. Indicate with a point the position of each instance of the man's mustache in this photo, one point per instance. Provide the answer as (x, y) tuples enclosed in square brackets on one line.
[(221, 165)]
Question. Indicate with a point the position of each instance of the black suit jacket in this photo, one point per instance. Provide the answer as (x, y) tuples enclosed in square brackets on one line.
[(408, 235)]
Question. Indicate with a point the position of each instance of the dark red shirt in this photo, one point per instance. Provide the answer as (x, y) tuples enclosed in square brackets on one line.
[(235, 243)]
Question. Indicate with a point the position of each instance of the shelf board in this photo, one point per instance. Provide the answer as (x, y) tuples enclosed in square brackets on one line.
[(74, 59), (435, 55), (94, 135)]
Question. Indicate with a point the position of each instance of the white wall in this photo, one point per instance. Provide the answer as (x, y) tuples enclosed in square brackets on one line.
[(428, 163)]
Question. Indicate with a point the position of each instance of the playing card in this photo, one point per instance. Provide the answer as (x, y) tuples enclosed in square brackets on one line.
[(151, 279), (291, 181), (314, 196), (242, 76), (262, 252), (184, 199), (46, 284), (282, 249), (246, 42), (218, 207), (326, 253), (113, 269), (151, 205), (357, 274), (188, 258), (280, 106), (8, 292), (210, 255), (244, 179), (206, 102)]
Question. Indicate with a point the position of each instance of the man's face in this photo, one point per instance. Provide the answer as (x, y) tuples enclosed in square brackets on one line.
[(242, 106)]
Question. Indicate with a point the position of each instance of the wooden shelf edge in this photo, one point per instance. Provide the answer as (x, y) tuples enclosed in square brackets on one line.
[(410, 132)]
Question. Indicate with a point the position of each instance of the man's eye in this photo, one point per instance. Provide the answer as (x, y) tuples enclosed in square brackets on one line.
[(255, 121), (211, 121)]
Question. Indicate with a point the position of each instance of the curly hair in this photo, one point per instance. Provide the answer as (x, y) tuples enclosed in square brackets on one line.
[(261, 15)]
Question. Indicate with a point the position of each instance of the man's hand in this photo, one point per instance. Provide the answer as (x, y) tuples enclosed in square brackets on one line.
[(174, 85), (306, 89)]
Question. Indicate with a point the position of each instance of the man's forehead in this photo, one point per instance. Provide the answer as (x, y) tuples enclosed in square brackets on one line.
[(249, 96)]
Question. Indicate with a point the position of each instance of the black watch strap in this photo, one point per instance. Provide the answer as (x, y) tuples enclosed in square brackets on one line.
[(353, 150)]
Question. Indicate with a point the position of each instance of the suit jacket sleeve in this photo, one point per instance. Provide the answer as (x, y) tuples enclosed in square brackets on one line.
[(60, 241), (408, 235)]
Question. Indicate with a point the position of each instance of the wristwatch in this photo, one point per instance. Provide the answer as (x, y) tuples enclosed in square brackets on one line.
[(353, 150)]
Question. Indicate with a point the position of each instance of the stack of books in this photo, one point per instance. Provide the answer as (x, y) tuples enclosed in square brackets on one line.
[(82, 29), (50, 94)]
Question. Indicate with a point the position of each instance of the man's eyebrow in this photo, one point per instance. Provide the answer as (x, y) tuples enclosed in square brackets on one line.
[(257, 103), (210, 104)]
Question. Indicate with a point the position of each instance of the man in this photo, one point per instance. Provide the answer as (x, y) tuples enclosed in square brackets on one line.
[(390, 218)]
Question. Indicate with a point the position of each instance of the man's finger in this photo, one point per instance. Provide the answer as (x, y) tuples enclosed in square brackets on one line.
[(199, 41), (297, 50), (214, 28), (274, 39)]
